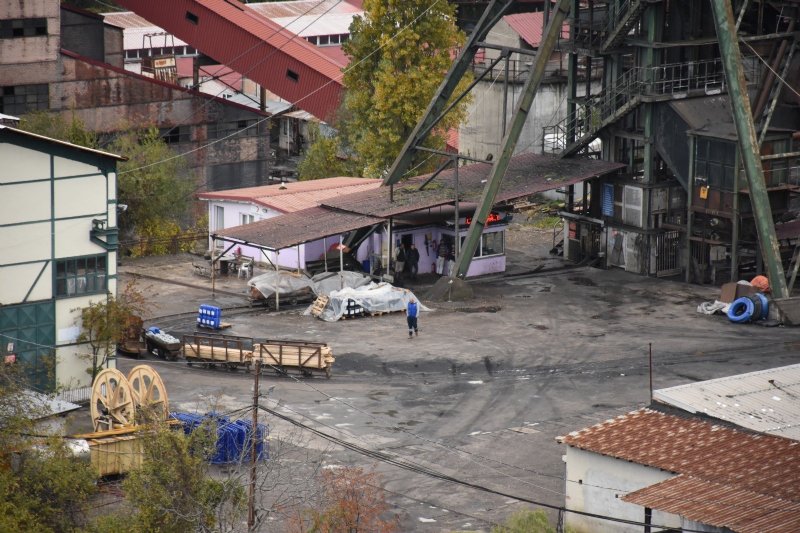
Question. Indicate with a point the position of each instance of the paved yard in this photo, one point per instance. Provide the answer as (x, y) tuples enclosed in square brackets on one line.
[(481, 394)]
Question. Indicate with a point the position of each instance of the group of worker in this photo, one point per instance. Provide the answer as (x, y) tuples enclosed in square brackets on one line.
[(407, 261)]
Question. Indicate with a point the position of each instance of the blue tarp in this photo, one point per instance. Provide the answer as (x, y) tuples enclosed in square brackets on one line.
[(233, 436)]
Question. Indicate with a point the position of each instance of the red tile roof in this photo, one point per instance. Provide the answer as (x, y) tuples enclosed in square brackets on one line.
[(530, 27), (720, 505), (732, 462), (253, 45), (294, 196)]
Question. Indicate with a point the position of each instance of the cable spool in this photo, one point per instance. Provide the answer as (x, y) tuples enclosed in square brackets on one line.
[(149, 393), (112, 405)]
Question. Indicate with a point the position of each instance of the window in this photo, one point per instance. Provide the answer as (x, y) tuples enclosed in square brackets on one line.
[(492, 244), (82, 275), (242, 128), (292, 75), (632, 205), (174, 135), (219, 218), (21, 99), (246, 219), (17, 28), (715, 161), (191, 17), (312, 40), (324, 40)]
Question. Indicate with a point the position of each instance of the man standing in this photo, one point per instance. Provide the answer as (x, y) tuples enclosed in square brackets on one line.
[(412, 311), (399, 261), (413, 260)]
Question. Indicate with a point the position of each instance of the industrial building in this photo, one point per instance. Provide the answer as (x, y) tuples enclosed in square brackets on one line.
[(59, 253)]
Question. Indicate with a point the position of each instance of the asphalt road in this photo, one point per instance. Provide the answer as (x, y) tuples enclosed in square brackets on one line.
[(483, 391)]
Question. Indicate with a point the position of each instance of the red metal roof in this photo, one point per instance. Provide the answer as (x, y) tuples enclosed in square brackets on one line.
[(738, 466), (530, 27), (294, 196), (254, 46)]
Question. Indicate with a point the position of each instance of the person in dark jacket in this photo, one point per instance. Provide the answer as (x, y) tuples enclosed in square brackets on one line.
[(412, 311), (413, 260)]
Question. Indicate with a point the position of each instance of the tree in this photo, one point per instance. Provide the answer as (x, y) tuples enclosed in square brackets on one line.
[(58, 127), (172, 490), (400, 51), (351, 502), (526, 521), (323, 158), (152, 183), (42, 487), (104, 324)]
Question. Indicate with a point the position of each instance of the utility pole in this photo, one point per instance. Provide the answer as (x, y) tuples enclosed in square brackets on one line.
[(251, 503)]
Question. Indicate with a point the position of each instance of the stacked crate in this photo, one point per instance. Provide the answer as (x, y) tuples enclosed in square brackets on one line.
[(209, 316)]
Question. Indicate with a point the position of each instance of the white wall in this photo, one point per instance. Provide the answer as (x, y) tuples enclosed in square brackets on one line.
[(48, 216), (595, 483)]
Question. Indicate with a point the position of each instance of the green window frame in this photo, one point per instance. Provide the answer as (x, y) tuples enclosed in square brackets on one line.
[(81, 275)]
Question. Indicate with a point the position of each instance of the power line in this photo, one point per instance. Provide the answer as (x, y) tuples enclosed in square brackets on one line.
[(344, 71), (389, 459)]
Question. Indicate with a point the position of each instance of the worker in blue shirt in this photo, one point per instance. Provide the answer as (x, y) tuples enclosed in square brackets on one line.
[(412, 311)]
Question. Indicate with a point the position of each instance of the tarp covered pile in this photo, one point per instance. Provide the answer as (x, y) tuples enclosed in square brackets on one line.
[(373, 298)]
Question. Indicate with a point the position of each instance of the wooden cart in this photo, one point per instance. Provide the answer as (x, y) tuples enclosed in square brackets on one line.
[(230, 351), (307, 357)]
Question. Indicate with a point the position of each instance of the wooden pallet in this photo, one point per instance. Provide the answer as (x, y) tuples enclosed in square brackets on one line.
[(319, 305)]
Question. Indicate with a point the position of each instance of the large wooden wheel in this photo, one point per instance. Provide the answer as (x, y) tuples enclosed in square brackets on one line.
[(112, 400), (149, 393)]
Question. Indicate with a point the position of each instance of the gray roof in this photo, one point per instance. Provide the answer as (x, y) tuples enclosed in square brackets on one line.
[(767, 401)]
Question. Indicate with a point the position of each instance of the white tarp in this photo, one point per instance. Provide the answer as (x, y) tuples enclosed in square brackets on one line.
[(286, 283), (373, 298)]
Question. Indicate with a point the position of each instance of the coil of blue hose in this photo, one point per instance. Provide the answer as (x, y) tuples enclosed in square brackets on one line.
[(741, 310), (764, 304)]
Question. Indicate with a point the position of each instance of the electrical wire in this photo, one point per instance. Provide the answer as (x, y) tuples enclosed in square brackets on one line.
[(389, 459), (777, 75), (323, 86)]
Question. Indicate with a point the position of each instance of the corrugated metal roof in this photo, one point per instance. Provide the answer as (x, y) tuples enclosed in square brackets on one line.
[(720, 505), (294, 196), (315, 25), (255, 46), (527, 174), (296, 228), (767, 400), (751, 461), (297, 8), (530, 26)]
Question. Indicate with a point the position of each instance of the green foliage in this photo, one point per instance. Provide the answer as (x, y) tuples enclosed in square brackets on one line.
[(153, 183), (400, 52), (323, 158), (104, 324), (42, 487), (526, 521), (172, 491), (58, 127), (154, 193)]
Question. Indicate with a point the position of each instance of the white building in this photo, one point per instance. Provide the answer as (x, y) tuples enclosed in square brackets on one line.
[(58, 238), (721, 456), (236, 207)]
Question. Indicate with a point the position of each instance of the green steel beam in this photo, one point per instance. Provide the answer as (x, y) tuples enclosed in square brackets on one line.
[(401, 164), (510, 140), (748, 144)]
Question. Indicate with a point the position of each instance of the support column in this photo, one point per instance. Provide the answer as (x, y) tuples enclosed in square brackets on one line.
[(748, 144)]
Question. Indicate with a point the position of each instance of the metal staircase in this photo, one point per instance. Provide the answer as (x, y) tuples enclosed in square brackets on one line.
[(762, 122), (664, 82), (630, 11)]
